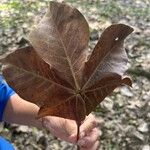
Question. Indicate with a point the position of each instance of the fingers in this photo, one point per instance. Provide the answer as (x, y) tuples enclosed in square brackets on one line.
[(87, 126), (67, 130), (90, 139), (89, 123)]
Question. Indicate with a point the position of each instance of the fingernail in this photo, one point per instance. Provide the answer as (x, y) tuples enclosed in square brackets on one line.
[(81, 142), (82, 134), (45, 123)]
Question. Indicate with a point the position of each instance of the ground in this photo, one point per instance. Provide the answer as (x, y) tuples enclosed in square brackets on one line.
[(124, 116)]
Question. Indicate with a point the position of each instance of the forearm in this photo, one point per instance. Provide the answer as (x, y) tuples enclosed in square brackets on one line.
[(19, 111)]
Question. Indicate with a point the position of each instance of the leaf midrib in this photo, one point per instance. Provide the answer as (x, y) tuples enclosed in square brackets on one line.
[(99, 64), (41, 77), (69, 62)]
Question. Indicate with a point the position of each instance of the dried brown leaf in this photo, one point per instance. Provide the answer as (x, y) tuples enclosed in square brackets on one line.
[(60, 39), (55, 73)]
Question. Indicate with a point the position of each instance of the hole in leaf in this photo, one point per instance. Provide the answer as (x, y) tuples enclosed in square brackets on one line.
[(116, 39)]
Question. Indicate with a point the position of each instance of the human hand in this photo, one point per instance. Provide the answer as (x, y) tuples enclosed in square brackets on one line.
[(66, 129)]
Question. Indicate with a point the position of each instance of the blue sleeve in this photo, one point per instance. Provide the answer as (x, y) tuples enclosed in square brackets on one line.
[(5, 145), (5, 93)]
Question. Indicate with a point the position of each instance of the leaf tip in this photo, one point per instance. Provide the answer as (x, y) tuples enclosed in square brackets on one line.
[(127, 81)]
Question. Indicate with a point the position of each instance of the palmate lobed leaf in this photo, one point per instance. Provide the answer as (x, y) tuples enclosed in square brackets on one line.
[(56, 74)]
